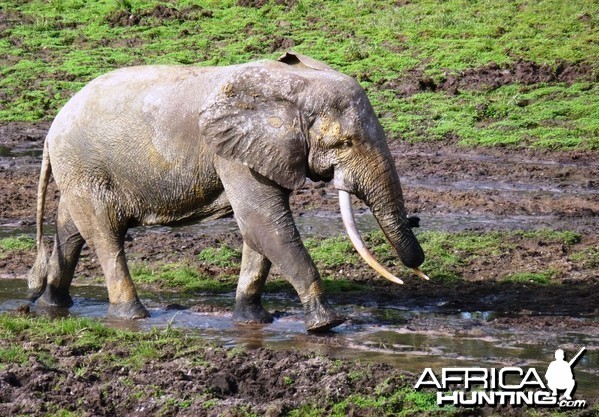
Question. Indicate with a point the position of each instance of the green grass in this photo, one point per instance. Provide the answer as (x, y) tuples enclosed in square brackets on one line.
[(384, 401), (566, 237), (88, 336), (542, 116), (331, 252), (588, 258), (80, 333), (11, 326), (332, 284), (50, 49), (338, 285), (10, 244), (181, 277), (223, 256), (448, 255)]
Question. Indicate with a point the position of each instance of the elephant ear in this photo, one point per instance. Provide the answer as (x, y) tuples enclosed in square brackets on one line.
[(253, 120), (298, 60)]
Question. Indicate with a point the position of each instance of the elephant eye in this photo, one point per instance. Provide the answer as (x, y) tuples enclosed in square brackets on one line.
[(346, 143)]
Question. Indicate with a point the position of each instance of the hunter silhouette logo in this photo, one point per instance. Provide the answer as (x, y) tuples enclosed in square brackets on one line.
[(559, 374), (506, 386)]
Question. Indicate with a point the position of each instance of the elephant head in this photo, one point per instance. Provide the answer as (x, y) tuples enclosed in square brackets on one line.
[(297, 118)]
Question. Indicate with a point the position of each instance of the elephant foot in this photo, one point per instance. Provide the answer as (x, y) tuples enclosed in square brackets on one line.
[(248, 312), (321, 317), (129, 310), (54, 297)]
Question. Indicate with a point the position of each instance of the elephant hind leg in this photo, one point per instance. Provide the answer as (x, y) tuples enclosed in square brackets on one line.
[(106, 234), (61, 266), (252, 278)]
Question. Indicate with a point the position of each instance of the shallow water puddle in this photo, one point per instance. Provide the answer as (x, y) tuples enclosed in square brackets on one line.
[(8, 152), (409, 340)]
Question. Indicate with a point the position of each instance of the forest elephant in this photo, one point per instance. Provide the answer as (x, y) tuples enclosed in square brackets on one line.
[(167, 145)]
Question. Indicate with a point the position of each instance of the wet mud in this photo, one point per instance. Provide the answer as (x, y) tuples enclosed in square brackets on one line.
[(394, 330), (493, 76)]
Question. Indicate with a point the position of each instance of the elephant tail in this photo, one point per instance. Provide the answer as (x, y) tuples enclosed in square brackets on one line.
[(38, 275)]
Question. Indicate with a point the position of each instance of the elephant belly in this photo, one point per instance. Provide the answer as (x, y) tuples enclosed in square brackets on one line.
[(183, 212)]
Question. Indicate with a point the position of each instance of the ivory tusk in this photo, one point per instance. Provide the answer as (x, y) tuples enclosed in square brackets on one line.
[(421, 274), (347, 214)]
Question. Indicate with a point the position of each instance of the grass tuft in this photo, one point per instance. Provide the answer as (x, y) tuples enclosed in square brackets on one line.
[(223, 256), (181, 277), (19, 243)]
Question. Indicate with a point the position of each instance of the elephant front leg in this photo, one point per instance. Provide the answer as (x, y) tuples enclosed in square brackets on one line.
[(320, 316), (248, 301), (262, 212)]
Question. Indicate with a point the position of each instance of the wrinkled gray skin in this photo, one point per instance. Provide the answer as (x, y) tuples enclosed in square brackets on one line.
[(172, 144)]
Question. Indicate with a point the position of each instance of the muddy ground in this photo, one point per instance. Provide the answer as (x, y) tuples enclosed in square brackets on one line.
[(553, 189)]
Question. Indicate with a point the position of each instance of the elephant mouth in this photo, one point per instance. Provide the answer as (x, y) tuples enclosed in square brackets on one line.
[(347, 214)]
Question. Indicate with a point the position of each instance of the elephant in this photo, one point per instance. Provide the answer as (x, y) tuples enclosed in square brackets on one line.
[(172, 144)]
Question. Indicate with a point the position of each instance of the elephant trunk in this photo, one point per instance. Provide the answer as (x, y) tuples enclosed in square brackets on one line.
[(347, 215), (382, 193)]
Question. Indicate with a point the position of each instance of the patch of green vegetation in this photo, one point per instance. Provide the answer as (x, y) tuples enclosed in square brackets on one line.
[(12, 354), (11, 326), (555, 116), (334, 285), (223, 256), (385, 401), (181, 277), (588, 258), (89, 336), (278, 285), (448, 254), (565, 237), (331, 252), (81, 333), (52, 48), (308, 410), (379, 246), (541, 278), (63, 413), (10, 244)]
